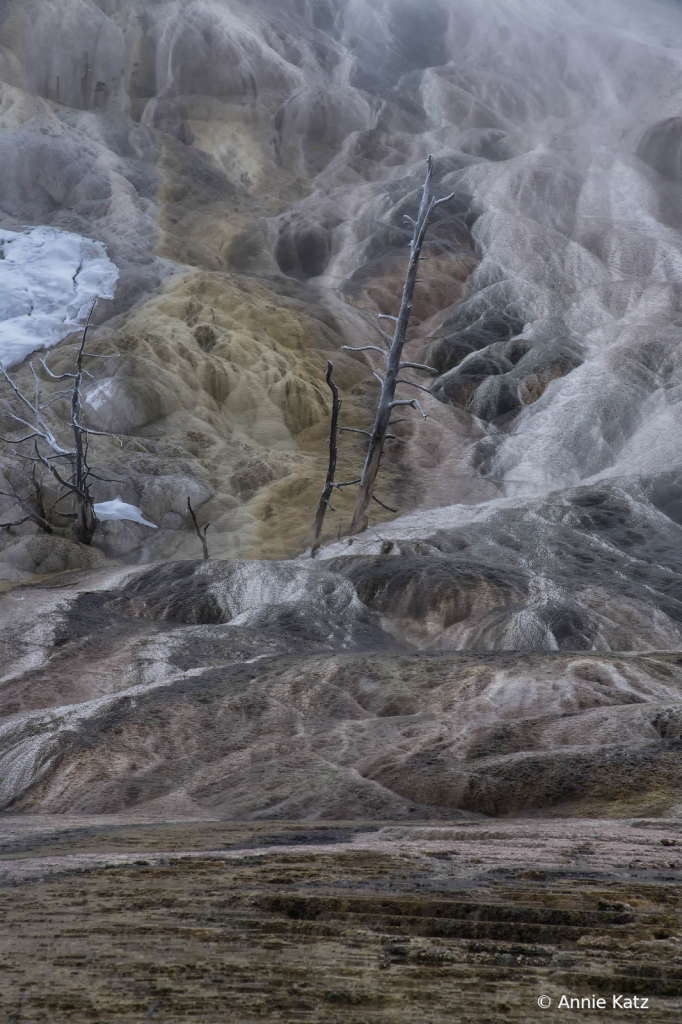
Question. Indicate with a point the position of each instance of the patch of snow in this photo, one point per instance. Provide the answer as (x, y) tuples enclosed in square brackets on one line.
[(99, 395), (48, 281), (118, 509)]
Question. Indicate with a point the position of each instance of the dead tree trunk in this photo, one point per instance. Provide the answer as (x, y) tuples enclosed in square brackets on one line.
[(387, 401), (86, 523), (331, 472), (333, 446), (201, 534)]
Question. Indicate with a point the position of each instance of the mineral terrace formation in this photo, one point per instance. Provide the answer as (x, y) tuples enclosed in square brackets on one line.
[(232, 181)]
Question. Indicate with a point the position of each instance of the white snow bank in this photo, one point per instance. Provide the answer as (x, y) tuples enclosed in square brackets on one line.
[(118, 509), (48, 281)]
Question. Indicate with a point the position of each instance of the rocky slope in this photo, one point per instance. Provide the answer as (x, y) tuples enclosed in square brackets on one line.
[(270, 690), (218, 152)]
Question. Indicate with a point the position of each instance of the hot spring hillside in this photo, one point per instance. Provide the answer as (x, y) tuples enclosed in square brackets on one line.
[(231, 182)]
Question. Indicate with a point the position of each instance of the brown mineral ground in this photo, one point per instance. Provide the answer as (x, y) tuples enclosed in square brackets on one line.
[(109, 920)]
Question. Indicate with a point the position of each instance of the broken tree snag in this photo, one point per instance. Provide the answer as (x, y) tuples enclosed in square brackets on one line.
[(201, 534), (391, 377), (331, 471)]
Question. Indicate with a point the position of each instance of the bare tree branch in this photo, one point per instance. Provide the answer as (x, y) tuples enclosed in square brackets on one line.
[(388, 509), (412, 384), (418, 366), (101, 433), (42, 427), (55, 376), (409, 401), (48, 465), (105, 479), (35, 377), (53, 401), (18, 440), (35, 512), (366, 348), (354, 430), (16, 522), (346, 483)]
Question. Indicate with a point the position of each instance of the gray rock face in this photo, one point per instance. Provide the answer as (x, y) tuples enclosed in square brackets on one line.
[(255, 689)]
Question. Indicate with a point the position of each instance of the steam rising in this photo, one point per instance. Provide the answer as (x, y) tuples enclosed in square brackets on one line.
[(567, 115)]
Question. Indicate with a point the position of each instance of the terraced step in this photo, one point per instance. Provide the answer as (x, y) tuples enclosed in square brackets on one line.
[(217, 922)]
